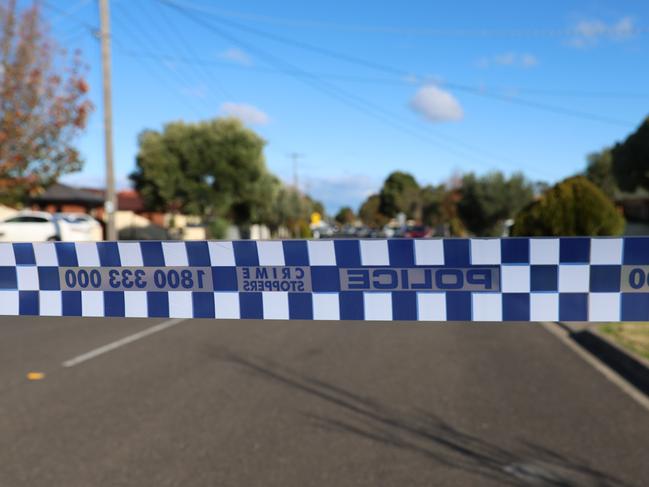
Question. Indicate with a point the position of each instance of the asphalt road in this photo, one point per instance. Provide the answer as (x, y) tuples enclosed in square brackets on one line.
[(209, 403)]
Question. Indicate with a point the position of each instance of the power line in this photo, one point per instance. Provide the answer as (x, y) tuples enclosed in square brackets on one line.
[(163, 78), (473, 90), (150, 40), (399, 79), (74, 34), (405, 31), (330, 90), (578, 93), (188, 48), (68, 13), (476, 91), (122, 49), (395, 81), (541, 106), (351, 100), (398, 72), (83, 27)]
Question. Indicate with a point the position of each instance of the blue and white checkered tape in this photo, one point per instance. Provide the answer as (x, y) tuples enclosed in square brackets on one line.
[(509, 279)]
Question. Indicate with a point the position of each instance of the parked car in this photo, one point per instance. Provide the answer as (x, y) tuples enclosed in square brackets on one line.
[(79, 227), (40, 226), (418, 231), (30, 226)]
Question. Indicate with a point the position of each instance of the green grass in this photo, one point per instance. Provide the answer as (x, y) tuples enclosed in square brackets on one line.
[(632, 336)]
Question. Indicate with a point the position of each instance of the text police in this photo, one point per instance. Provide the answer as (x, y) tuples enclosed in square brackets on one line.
[(420, 279)]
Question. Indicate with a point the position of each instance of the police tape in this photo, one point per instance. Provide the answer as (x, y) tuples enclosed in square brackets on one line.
[(509, 279)]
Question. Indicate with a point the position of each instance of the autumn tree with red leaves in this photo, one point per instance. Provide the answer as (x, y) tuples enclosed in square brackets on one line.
[(43, 105)]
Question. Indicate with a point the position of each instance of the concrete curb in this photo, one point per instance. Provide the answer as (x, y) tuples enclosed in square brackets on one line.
[(631, 367)]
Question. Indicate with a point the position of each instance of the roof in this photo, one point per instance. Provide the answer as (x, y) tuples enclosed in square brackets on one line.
[(130, 200), (127, 200), (61, 193)]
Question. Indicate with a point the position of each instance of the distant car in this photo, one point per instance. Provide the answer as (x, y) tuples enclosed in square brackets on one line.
[(389, 231), (418, 231), (40, 226), (363, 232)]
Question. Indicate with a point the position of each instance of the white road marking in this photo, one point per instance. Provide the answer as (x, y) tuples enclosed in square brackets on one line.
[(602, 368), (121, 342)]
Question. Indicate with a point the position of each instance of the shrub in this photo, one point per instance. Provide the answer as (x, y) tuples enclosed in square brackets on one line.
[(218, 228), (572, 207)]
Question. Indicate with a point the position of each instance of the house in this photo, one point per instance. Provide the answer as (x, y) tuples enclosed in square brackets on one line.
[(63, 198), (132, 220)]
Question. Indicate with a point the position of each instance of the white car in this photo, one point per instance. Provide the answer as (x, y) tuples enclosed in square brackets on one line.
[(40, 226), (79, 227)]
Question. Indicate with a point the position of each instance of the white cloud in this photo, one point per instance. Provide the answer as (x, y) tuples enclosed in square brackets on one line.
[(236, 55), (436, 105), (514, 59), (246, 113), (623, 28), (529, 60), (590, 28), (589, 32), (505, 59)]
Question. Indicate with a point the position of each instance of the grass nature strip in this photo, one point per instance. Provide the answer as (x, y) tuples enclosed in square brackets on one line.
[(634, 337)]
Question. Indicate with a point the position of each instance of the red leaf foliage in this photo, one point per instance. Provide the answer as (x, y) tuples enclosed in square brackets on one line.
[(43, 104)]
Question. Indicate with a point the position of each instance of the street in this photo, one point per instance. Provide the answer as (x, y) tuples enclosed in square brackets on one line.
[(244, 403)]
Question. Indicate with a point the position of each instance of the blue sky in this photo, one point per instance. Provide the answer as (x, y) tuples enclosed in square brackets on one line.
[(427, 87)]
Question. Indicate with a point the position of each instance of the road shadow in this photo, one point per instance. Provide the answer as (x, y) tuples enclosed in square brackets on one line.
[(422, 433)]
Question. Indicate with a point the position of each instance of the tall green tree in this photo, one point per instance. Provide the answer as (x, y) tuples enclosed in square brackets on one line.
[(487, 201), (400, 194), (570, 208), (599, 171), (44, 104), (631, 159), (345, 216), (370, 212), (432, 200), (292, 210), (214, 169), (262, 199)]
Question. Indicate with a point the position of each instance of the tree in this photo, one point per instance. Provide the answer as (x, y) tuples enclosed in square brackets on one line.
[(440, 211), (214, 169), (400, 194), (631, 160), (370, 213), (43, 105), (487, 201), (262, 199), (432, 204), (345, 216), (599, 171), (292, 210), (316, 206), (572, 207)]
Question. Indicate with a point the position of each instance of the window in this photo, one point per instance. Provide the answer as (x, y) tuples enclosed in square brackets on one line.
[(27, 219)]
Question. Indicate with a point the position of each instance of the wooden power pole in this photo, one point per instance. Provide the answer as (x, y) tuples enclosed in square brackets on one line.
[(110, 199)]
